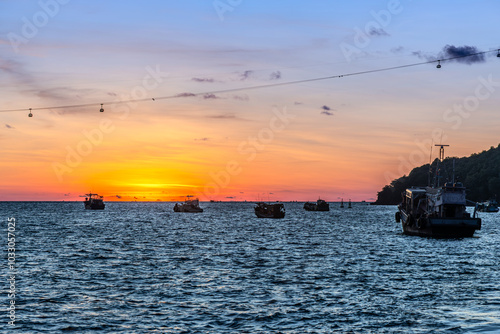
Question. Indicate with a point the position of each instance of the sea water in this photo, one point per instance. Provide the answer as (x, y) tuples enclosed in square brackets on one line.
[(142, 268)]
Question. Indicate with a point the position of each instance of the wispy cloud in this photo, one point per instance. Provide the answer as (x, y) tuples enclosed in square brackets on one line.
[(275, 75), (202, 139), (8, 126), (377, 32), (203, 79), (210, 96), (187, 94), (245, 75), (326, 110)]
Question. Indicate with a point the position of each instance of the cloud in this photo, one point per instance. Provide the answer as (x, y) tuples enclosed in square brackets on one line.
[(203, 79), (185, 95), (118, 196), (245, 75), (377, 32), (326, 111), (8, 126), (275, 75), (297, 103), (241, 97), (210, 96), (398, 49), (462, 54), (202, 139), (222, 116)]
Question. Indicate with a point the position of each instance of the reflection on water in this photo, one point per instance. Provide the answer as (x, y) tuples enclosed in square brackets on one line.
[(136, 267)]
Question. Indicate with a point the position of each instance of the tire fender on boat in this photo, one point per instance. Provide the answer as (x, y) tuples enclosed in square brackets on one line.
[(410, 220), (421, 222), (398, 217)]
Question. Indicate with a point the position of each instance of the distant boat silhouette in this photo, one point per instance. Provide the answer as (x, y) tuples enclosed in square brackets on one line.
[(266, 210), (349, 207), (320, 205), (342, 203), (94, 202), (192, 206)]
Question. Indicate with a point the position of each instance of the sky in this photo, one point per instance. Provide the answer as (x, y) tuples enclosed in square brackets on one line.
[(214, 98)]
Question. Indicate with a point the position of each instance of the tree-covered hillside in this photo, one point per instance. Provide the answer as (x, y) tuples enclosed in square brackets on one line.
[(480, 173)]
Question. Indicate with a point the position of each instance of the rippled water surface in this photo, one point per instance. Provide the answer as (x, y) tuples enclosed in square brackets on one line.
[(140, 267)]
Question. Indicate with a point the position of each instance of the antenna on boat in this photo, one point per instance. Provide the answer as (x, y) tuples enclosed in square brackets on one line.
[(441, 158), (441, 151)]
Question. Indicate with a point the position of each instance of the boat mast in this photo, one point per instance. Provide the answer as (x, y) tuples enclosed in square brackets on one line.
[(441, 158)]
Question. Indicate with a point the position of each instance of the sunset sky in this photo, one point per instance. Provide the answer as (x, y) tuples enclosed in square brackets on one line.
[(206, 136)]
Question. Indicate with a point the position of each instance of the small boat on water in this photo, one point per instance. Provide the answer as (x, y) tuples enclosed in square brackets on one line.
[(320, 205), (94, 202), (437, 212), (488, 206), (192, 206), (350, 206), (266, 210), (342, 203)]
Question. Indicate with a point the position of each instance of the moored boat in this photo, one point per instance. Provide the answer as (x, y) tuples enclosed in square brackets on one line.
[(320, 205), (488, 206), (266, 210), (94, 202), (192, 206), (437, 212)]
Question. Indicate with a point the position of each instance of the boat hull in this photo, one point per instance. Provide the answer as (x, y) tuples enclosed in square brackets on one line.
[(263, 210), (440, 227), (92, 206)]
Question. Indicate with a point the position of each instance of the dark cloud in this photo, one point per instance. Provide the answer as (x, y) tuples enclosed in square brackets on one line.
[(8, 126), (245, 75), (118, 196), (462, 54), (210, 96), (327, 113), (203, 79), (112, 94), (377, 32), (185, 95), (326, 108), (275, 75)]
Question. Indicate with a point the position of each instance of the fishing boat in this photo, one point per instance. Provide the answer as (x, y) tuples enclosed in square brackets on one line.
[(437, 212), (266, 210), (342, 203), (94, 202), (192, 206), (320, 205), (488, 206)]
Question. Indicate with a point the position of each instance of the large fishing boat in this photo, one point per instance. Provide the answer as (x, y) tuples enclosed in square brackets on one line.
[(266, 210), (437, 212), (94, 202), (188, 206), (320, 205)]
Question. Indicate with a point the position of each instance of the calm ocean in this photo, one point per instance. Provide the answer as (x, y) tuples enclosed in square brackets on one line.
[(141, 268)]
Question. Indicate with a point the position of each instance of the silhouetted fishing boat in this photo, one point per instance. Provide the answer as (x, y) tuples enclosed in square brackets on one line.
[(320, 205), (437, 212), (342, 203), (192, 206), (94, 202), (266, 210), (488, 206)]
